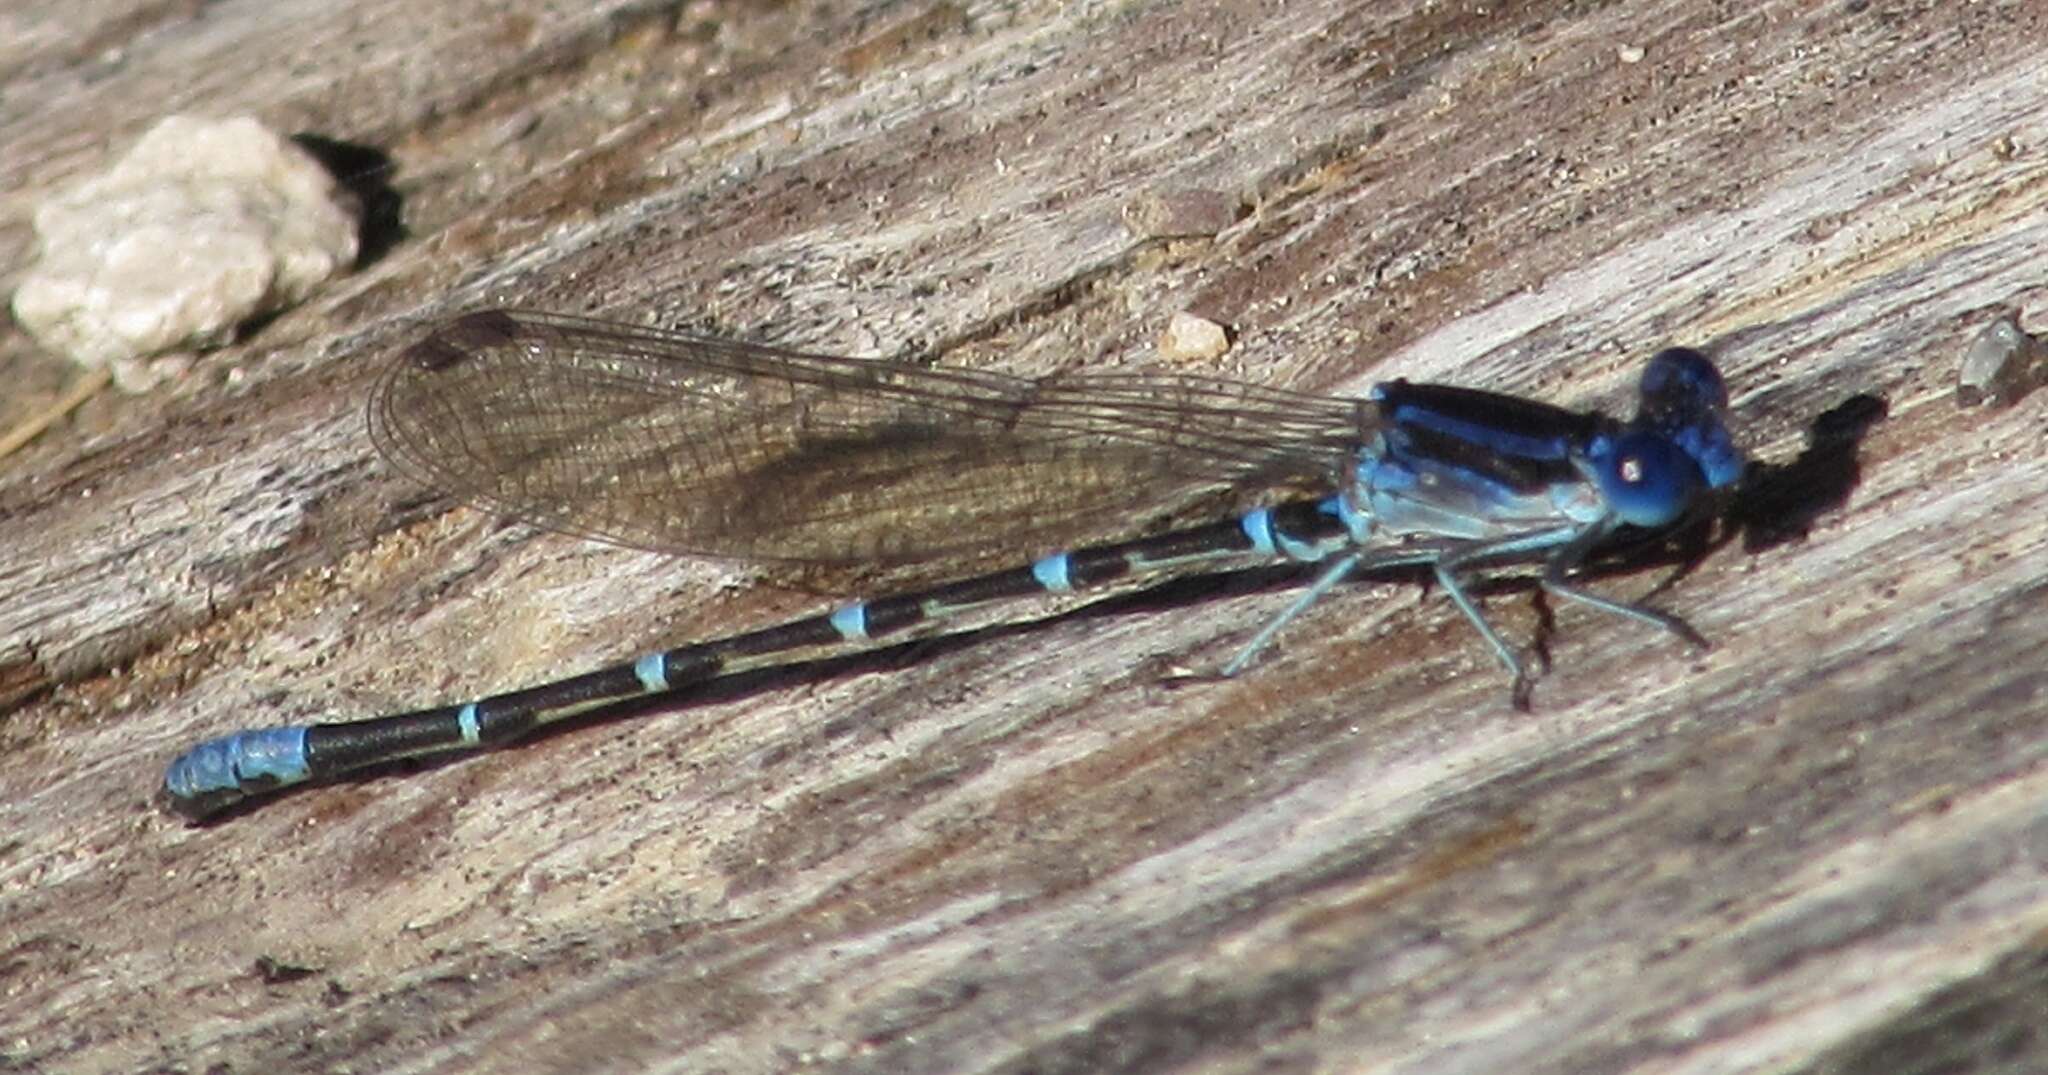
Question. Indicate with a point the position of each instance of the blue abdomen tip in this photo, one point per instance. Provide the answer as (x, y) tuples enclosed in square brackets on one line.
[(220, 771)]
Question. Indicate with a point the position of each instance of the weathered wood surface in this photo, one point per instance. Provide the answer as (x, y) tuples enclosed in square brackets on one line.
[(1819, 846)]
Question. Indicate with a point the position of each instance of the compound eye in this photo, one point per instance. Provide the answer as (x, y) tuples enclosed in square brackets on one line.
[(1679, 381), (1647, 480)]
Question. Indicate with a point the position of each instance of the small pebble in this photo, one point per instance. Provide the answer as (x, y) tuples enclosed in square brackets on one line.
[(1192, 339), (2002, 364)]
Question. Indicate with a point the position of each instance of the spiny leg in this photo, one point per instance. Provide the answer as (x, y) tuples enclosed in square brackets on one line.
[(1522, 546), (1447, 569), (1330, 577), (1559, 566)]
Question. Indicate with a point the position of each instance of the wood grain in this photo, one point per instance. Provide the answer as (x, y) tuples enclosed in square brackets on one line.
[(1821, 846)]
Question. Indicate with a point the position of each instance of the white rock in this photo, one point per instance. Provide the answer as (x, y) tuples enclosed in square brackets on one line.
[(1191, 338), (202, 226)]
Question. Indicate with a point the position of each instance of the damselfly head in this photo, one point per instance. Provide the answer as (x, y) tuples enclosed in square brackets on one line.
[(1683, 398)]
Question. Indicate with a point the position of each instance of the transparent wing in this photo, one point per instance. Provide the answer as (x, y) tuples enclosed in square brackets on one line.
[(684, 443)]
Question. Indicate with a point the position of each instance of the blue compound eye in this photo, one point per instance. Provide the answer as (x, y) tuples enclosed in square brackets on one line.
[(1685, 401), (1647, 479), (1681, 381)]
